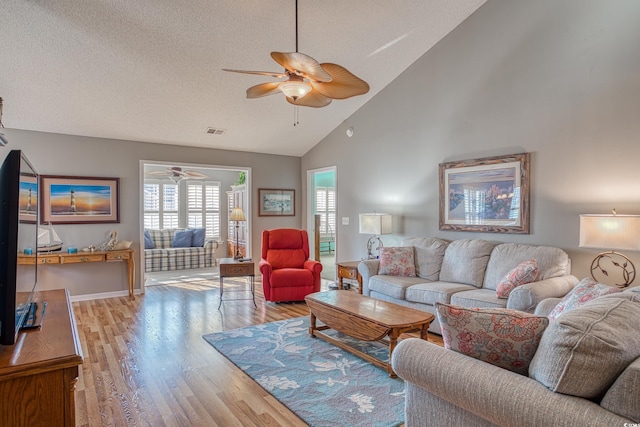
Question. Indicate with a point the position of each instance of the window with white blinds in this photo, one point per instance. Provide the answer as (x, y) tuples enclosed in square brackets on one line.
[(161, 205), (203, 207), (200, 206), (326, 208)]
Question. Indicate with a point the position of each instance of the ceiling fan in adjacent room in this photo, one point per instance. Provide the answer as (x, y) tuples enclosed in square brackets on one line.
[(176, 174), (308, 83)]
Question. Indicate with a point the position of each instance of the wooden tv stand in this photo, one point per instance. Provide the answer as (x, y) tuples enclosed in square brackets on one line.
[(38, 374)]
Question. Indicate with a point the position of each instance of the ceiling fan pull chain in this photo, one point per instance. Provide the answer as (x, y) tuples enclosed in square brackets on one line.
[(296, 116)]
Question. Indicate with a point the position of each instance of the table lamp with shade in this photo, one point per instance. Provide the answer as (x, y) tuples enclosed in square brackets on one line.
[(376, 224), (237, 215), (613, 232)]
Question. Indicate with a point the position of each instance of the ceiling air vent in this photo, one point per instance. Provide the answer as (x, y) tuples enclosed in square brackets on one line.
[(215, 131)]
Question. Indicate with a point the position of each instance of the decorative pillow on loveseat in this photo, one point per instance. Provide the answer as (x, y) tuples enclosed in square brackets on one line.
[(523, 273), (197, 240), (583, 351), (502, 337), (182, 239), (148, 241), (585, 291), (397, 262)]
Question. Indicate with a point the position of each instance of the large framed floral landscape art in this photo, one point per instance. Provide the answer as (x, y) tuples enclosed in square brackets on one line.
[(79, 200), (486, 195)]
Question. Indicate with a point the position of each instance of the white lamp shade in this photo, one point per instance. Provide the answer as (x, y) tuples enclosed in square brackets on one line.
[(375, 223), (237, 214), (610, 232)]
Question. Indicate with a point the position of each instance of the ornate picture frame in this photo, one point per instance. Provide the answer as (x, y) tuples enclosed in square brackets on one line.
[(79, 200), (274, 202), (488, 195)]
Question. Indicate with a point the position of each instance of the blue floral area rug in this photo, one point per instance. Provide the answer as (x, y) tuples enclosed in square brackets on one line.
[(323, 384)]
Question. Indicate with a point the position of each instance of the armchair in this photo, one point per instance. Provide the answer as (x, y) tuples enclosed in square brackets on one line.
[(287, 272)]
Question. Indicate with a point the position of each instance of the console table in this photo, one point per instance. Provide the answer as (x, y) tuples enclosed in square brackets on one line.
[(38, 374), (124, 255)]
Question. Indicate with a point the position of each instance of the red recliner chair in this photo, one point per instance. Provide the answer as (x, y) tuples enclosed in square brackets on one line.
[(287, 272)]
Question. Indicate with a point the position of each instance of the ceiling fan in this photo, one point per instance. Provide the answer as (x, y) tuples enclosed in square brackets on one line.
[(176, 174), (309, 83)]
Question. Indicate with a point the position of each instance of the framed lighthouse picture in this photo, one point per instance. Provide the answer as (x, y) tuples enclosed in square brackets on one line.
[(79, 200)]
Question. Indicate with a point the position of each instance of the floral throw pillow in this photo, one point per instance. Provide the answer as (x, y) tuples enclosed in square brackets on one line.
[(397, 262), (525, 272), (585, 291), (503, 337)]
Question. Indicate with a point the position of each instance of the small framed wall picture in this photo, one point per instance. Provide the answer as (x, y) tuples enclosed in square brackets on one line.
[(275, 202)]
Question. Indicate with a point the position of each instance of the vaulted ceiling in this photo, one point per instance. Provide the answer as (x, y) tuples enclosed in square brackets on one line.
[(151, 70)]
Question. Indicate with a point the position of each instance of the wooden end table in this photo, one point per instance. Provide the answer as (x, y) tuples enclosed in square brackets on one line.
[(366, 319), (230, 267), (349, 270)]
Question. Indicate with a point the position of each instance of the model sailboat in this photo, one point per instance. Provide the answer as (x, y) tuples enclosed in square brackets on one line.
[(48, 239)]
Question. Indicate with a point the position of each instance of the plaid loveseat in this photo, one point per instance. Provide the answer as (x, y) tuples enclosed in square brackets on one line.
[(165, 258)]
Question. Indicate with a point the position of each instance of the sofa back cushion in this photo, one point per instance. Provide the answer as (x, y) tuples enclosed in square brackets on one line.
[(428, 255), (552, 262), (162, 239), (583, 351), (465, 261)]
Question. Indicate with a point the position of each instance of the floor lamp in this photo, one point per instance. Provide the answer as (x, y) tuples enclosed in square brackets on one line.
[(237, 215)]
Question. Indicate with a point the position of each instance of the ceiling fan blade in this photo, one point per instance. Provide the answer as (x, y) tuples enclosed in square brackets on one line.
[(302, 65), (312, 99), (263, 89), (344, 84), (158, 173), (259, 73), (195, 174)]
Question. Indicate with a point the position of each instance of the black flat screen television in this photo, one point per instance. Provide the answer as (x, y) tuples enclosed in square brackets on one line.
[(18, 233)]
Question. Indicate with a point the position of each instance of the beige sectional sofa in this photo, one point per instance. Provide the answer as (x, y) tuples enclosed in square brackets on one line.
[(467, 272), (585, 372)]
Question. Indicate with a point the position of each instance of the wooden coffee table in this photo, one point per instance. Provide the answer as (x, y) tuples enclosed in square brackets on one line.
[(366, 319)]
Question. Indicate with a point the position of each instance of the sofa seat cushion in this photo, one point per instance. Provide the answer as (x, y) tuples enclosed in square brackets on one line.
[(183, 258), (428, 253), (583, 351), (393, 286), (291, 277), (465, 261), (485, 298), (433, 292), (552, 262), (502, 337)]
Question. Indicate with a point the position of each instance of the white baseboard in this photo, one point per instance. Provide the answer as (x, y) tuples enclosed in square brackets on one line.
[(102, 295)]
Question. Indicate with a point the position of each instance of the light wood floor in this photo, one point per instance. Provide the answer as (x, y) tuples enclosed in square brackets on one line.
[(146, 363)]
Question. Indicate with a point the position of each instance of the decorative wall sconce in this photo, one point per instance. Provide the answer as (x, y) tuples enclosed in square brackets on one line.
[(376, 224), (621, 232)]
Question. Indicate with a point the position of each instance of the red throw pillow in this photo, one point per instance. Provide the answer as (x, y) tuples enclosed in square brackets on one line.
[(525, 272)]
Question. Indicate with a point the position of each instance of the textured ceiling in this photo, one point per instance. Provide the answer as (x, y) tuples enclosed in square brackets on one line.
[(150, 70)]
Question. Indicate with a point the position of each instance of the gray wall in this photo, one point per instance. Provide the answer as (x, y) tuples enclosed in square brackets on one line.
[(559, 79), (55, 154)]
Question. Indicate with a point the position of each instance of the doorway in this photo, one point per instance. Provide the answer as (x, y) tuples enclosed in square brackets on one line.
[(193, 196), (321, 223)]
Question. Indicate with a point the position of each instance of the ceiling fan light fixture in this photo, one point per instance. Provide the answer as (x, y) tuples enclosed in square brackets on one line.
[(295, 89)]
